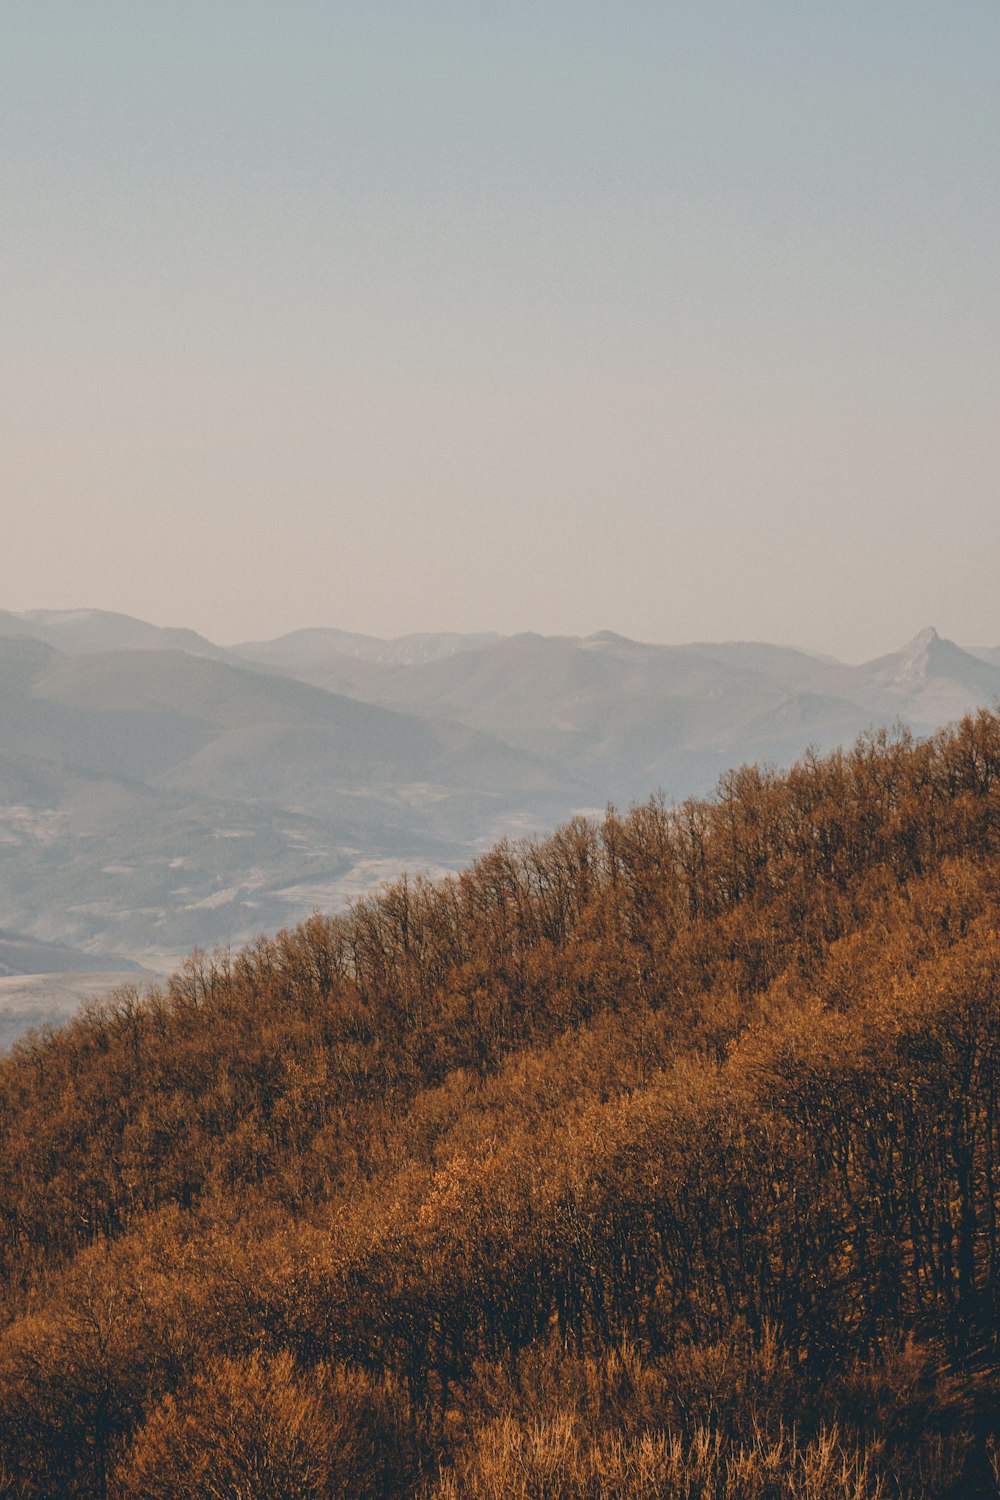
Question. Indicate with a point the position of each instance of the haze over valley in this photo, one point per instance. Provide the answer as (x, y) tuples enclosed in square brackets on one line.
[(159, 791)]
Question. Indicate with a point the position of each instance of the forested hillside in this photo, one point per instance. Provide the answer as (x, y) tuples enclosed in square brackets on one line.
[(659, 1158)]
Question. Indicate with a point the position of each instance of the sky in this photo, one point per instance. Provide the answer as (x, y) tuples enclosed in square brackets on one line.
[(675, 319)]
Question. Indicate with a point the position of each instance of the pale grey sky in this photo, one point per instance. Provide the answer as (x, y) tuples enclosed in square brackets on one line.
[(675, 319)]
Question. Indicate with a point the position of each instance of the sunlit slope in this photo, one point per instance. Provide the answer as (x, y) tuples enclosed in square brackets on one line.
[(660, 1155)]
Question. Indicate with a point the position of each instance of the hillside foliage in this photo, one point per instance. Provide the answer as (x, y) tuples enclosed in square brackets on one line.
[(657, 1158)]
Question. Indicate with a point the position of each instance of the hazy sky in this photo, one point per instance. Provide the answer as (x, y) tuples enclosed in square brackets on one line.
[(681, 320)]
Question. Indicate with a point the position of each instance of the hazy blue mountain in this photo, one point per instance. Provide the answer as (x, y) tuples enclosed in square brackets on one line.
[(150, 800), (621, 714), (344, 662), (168, 716), (927, 683), (627, 715), (157, 791), (101, 630), (316, 646), (630, 716)]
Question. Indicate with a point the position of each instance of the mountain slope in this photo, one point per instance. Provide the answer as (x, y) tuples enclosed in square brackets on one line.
[(656, 1158), (152, 799), (87, 630), (928, 682), (632, 715), (315, 646)]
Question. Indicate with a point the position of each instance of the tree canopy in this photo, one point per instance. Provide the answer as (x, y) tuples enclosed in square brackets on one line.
[(659, 1156)]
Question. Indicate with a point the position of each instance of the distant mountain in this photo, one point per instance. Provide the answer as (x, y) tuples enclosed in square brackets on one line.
[(158, 791), (193, 717), (347, 663), (630, 716), (927, 683), (305, 646), (154, 799), (87, 630)]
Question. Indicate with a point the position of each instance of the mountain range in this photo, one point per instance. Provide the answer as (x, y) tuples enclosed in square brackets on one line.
[(629, 716), (159, 791)]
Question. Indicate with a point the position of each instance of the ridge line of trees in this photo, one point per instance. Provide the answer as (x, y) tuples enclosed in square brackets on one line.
[(659, 1152)]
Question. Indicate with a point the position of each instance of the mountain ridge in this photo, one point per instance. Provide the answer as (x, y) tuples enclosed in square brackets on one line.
[(154, 796)]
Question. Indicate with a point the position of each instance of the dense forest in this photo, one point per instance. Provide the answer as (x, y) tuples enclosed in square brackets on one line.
[(657, 1158)]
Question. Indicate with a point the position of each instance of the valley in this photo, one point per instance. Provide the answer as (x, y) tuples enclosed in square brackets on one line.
[(159, 792)]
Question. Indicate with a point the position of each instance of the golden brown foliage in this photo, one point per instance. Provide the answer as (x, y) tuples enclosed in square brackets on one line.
[(659, 1157), (553, 1459), (258, 1428)]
